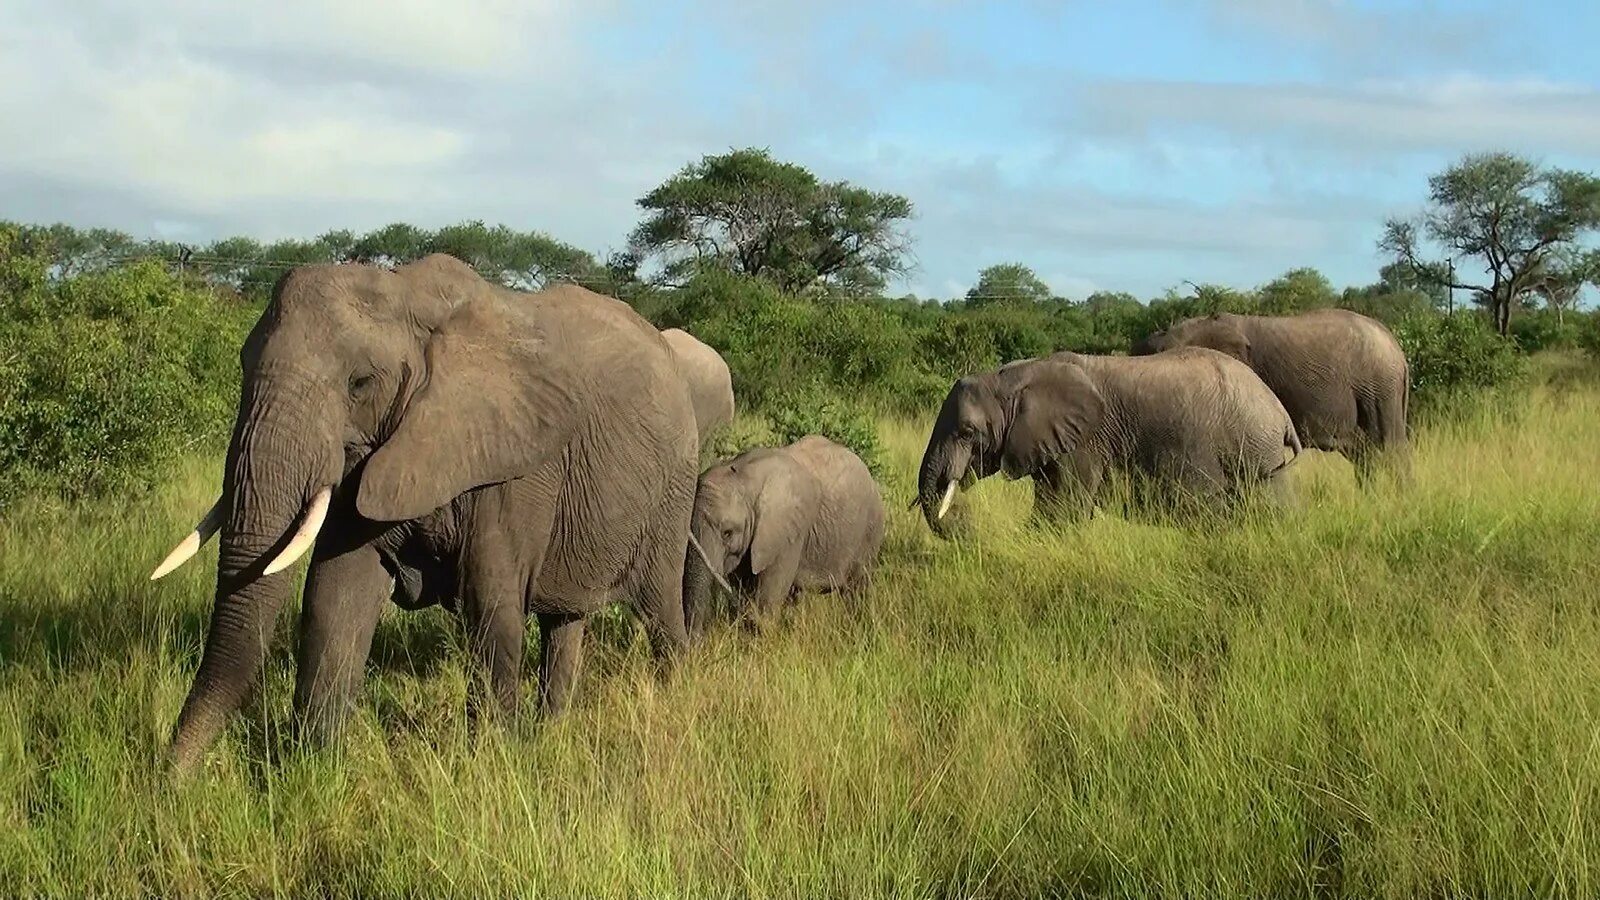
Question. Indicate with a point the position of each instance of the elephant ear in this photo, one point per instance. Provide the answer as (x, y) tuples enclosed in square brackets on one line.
[(780, 518), (498, 403), (1057, 407)]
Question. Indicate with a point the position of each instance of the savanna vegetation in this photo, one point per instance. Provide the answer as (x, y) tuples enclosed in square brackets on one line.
[(1379, 693)]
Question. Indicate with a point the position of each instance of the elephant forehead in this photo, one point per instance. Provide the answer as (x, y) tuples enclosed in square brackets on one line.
[(720, 504)]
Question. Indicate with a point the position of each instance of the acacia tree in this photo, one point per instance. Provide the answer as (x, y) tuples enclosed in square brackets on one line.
[(746, 212), (1523, 223)]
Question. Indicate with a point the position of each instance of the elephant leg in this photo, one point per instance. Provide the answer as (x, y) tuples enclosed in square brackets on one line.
[(493, 615), (344, 597), (1065, 489), (658, 600), (1364, 459), (560, 657), (774, 587)]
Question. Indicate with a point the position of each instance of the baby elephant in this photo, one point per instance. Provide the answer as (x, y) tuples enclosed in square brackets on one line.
[(774, 521), (1195, 423)]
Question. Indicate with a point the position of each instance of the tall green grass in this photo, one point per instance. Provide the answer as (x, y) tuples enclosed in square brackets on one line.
[(1375, 694)]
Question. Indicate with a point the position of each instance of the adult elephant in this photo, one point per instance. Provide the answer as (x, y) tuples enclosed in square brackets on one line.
[(775, 521), (1341, 375), (422, 581), (710, 383), (542, 445), (1192, 422)]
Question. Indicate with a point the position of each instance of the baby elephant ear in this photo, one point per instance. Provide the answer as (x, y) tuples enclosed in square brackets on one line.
[(1057, 407), (497, 405), (780, 519)]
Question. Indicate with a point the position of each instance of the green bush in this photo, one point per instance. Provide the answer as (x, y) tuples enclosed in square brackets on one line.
[(813, 409), (1451, 356), (1588, 333), (1538, 330), (105, 377)]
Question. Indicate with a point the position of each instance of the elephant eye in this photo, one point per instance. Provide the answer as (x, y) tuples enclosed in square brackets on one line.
[(359, 384)]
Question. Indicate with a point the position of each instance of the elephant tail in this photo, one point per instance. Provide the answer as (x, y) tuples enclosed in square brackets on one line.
[(1291, 441)]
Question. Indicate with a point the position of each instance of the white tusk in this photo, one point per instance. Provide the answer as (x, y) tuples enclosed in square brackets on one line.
[(191, 545), (316, 512), (949, 497), (709, 567)]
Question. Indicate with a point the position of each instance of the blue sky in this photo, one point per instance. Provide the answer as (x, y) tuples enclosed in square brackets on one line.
[(1121, 146)]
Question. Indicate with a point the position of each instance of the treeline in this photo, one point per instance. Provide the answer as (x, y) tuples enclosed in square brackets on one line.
[(111, 365), (117, 353), (526, 260)]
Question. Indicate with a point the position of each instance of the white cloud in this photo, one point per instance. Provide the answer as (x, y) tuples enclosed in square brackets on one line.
[(1073, 287), (1450, 113), (201, 135)]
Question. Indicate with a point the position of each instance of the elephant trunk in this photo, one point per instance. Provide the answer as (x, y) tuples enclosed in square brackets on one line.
[(702, 580), (943, 466), (272, 490)]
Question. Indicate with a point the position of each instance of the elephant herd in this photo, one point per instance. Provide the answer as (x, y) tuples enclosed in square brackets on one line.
[(431, 438)]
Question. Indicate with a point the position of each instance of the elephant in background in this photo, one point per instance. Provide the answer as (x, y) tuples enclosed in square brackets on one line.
[(775, 521), (1341, 375), (710, 383), (1192, 423), (532, 453)]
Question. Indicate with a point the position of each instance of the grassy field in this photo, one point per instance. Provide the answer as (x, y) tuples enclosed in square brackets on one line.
[(1385, 694)]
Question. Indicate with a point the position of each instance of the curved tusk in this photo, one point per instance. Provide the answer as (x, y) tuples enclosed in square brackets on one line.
[(316, 512), (191, 545), (707, 560), (949, 497)]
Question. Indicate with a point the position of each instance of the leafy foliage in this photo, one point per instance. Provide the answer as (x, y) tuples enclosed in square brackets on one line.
[(106, 377), (1453, 355), (525, 260), (1008, 283), (812, 409)]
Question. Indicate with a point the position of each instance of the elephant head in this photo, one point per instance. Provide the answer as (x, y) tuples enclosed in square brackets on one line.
[(1014, 420), (748, 512), (351, 377), (1218, 331)]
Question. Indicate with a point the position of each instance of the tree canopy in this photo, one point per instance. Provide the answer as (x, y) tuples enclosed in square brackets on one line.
[(526, 260), (1523, 224), (1010, 282), (750, 214)]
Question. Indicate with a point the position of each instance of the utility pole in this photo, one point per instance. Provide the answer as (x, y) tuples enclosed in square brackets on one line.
[(1450, 304)]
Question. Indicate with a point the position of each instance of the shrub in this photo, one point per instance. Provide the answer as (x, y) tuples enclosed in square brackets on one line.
[(812, 409), (1588, 333), (105, 377), (1538, 330), (744, 432), (1452, 355)]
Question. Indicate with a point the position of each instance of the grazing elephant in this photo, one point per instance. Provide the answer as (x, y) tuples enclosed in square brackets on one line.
[(1341, 375), (1193, 420), (710, 384), (775, 521), (533, 453)]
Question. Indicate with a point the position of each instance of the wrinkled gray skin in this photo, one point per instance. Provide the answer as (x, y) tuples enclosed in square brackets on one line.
[(424, 582), (542, 445), (1197, 423), (1341, 375), (776, 521), (710, 383)]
